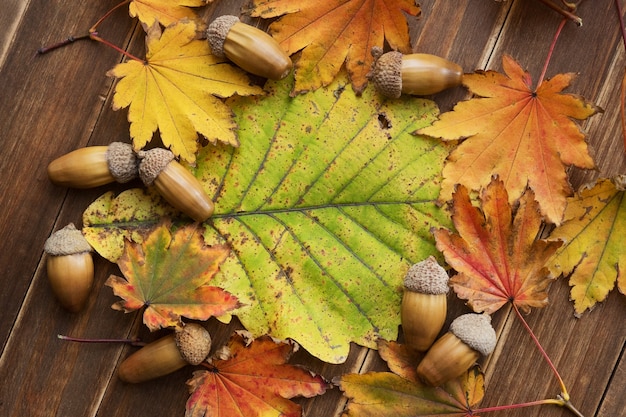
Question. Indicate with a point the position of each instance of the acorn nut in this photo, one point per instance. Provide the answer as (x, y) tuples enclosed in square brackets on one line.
[(424, 303), (419, 74), (70, 267), (187, 346), (248, 47), (469, 337), (175, 183), (94, 166)]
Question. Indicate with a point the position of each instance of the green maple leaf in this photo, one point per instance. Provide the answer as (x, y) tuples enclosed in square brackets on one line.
[(325, 206), (169, 275)]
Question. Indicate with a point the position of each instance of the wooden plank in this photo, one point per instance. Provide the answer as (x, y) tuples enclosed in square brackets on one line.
[(62, 101), (55, 101), (10, 19), (583, 350), (614, 400)]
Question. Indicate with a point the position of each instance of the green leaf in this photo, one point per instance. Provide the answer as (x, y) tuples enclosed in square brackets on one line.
[(325, 205)]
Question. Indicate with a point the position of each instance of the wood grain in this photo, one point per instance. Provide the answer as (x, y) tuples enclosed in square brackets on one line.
[(54, 103)]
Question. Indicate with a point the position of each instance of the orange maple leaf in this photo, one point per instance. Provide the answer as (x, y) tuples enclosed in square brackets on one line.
[(524, 136), (333, 31), (254, 380), (495, 252), (169, 275)]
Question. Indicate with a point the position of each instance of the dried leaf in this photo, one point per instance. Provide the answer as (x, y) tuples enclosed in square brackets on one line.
[(254, 382), (594, 230), (329, 201), (332, 32), (165, 12), (177, 91), (381, 394), (526, 137), (168, 274), (400, 359), (495, 252)]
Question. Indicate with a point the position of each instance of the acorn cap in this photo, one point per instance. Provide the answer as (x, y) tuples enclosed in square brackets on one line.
[(122, 161), (475, 330), (194, 343), (152, 163), (67, 241), (217, 31), (427, 277), (386, 73)]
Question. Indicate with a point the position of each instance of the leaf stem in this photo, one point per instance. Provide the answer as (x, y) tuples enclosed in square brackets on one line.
[(93, 35), (565, 13), (96, 37), (556, 401), (94, 28), (132, 342), (567, 404), (564, 395), (550, 51), (70, 39)]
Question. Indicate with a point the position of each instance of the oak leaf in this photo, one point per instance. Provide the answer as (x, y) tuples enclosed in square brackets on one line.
[(332, 32), (329, 194), (524, 136), (164, 12), (401, 394), (253, 381), (168, 274), (495, 250), (177, 90), (593, 231)]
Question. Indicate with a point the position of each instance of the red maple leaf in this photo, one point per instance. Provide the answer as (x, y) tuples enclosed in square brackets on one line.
[(254, 380)]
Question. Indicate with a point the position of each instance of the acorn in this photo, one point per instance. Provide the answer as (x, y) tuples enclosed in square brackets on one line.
[(70, 267), (424, 303), (174, 183), (189, 345), (469, 337), (94, 166), (419, 74), (248, 47)]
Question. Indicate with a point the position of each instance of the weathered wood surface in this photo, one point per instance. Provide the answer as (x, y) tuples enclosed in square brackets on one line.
[(52, 104)]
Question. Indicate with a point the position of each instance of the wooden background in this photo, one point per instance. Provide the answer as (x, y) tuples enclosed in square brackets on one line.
[(53, 104)]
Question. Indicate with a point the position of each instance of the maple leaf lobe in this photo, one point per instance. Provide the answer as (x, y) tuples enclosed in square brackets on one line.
[(595, 221), (177, 90), (495, 251), (334, 32), (525, 137), (254, 379), (168, 274)]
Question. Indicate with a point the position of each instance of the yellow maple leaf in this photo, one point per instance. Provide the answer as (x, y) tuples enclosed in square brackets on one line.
[(333, 31), (165, 12), (594, 230), (524, 136), (177, 90)]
